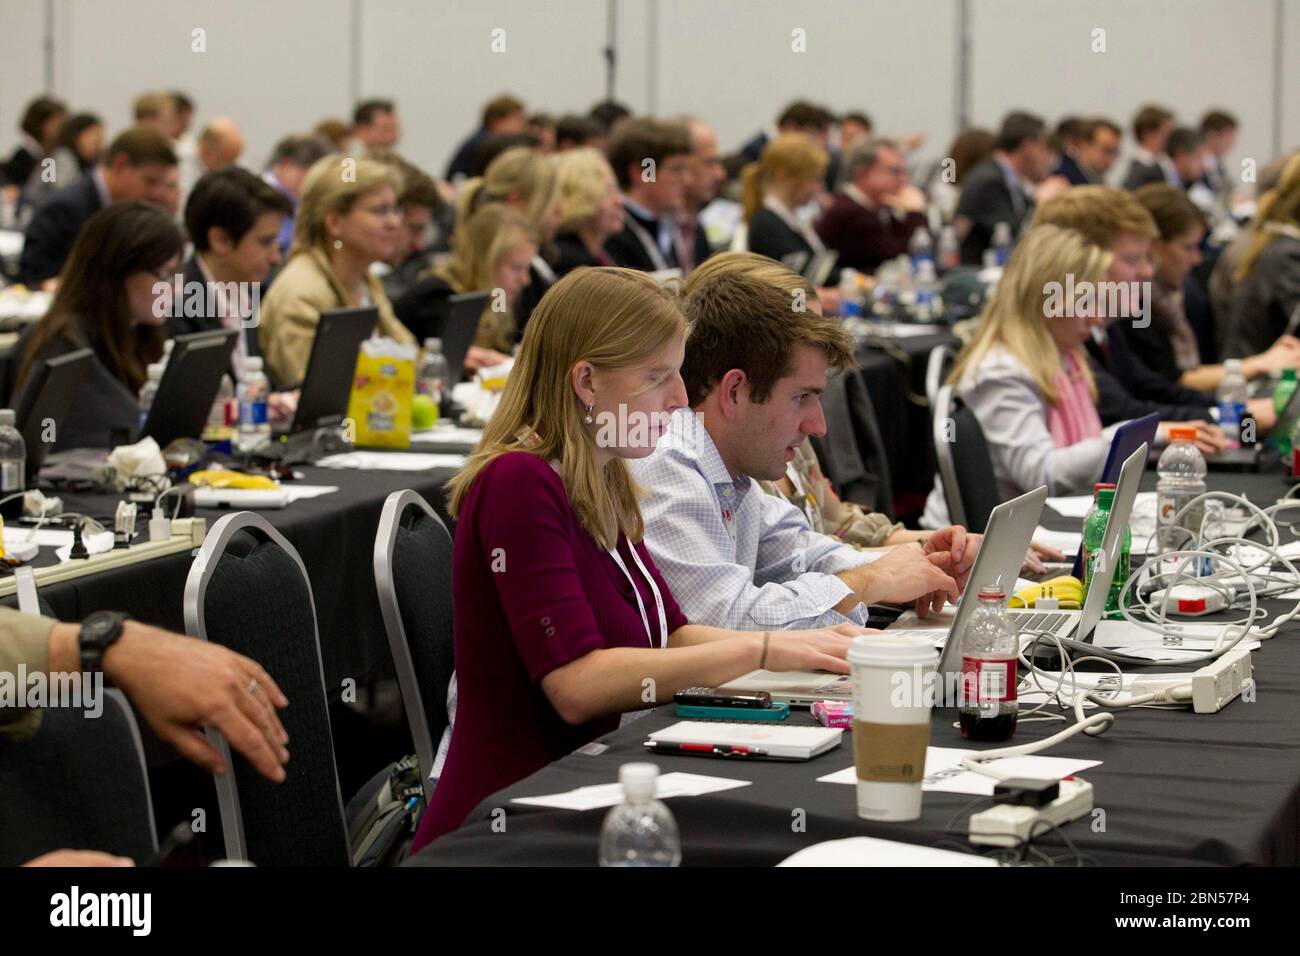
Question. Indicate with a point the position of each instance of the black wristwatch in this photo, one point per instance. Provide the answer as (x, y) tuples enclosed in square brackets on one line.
[(99, 632)]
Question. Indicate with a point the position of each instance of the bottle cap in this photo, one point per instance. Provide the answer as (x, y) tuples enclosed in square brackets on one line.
[(1100, 485), (992, 592), (7, 416), (638, 779), (433, 345), (1182, 434), (253, 363)]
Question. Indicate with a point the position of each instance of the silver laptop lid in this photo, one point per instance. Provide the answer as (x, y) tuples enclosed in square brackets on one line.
[(997, 564)]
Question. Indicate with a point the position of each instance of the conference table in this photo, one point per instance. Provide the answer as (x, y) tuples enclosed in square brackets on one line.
[(1174, 788)]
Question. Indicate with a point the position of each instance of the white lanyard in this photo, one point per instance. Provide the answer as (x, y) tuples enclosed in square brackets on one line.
[(809, 503), (651, 247), (543, 269), (659, 601)]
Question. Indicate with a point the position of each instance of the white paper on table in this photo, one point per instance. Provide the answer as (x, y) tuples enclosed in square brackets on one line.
[(1077, 506), (298, 492), (943, 771), (1071, 506), (1067, 542), (1183, 638), (448, 436), (871, 851), (391, 461), (905, 330), (668, 785)]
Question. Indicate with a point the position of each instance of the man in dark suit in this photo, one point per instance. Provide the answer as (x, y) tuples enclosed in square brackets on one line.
[(233, 218), (1184, 151), (799, 117), (651, 160), (996, 191), (140, 165), (707, 175), (1151, 128), (1218, 138), (1093, 156), (502, 116)]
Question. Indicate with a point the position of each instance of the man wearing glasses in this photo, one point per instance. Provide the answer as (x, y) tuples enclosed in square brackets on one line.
[(872, 218)]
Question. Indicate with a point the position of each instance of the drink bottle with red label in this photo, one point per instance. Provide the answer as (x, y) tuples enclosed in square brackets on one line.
[(986, 700)]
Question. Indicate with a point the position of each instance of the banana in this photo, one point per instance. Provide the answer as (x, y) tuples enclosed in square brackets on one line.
[(1067, 590)]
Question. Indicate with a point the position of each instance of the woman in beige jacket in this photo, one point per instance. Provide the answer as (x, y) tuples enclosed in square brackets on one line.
[(347, 219)]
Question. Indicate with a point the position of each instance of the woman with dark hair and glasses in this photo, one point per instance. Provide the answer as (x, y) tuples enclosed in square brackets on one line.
[(113, 297)]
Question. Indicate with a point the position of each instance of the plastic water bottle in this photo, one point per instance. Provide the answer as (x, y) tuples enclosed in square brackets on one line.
[(220, 415), (1094, 531), (13, 463), (987, 702), (927, 291), (1001, 243), (920, 248), (949, 249), (640, 831), (851, 300), (434, 373), (1232, 395), (254, 388), (1281, 396), (149, 389), (1182, 478)]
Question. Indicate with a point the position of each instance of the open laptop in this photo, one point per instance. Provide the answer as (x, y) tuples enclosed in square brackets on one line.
[(459, 331), (1079, 624), (47, 398), (1006, 538), (333, 360), (816, 267), (1250, 457), (1127, 439), (189, 386)]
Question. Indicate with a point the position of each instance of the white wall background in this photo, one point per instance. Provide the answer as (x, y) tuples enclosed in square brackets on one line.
[(281, 66)]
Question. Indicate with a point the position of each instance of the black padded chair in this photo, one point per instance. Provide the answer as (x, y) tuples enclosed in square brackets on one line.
[(79, 782), (413, 577), (937, 366), (248, 590), (965, 466), (852, 452)]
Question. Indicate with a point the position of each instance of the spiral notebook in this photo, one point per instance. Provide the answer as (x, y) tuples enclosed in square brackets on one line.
[(718, 739)]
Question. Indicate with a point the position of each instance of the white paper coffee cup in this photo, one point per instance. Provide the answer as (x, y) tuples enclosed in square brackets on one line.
[(893, 691)]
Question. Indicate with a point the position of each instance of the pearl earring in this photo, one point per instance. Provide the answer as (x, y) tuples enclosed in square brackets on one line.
[(587, 420), (338, 243)]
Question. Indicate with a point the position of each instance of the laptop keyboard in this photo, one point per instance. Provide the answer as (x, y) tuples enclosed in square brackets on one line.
[(1050, 621)]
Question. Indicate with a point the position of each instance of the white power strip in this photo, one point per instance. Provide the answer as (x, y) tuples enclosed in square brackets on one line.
[(1211, 688), (1012, 824)]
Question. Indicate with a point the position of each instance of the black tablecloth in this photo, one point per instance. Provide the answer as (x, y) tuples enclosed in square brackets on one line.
[(334, 534), (1176, 788)]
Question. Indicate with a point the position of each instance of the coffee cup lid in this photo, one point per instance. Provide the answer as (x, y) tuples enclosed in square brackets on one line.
[(876, 650)]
